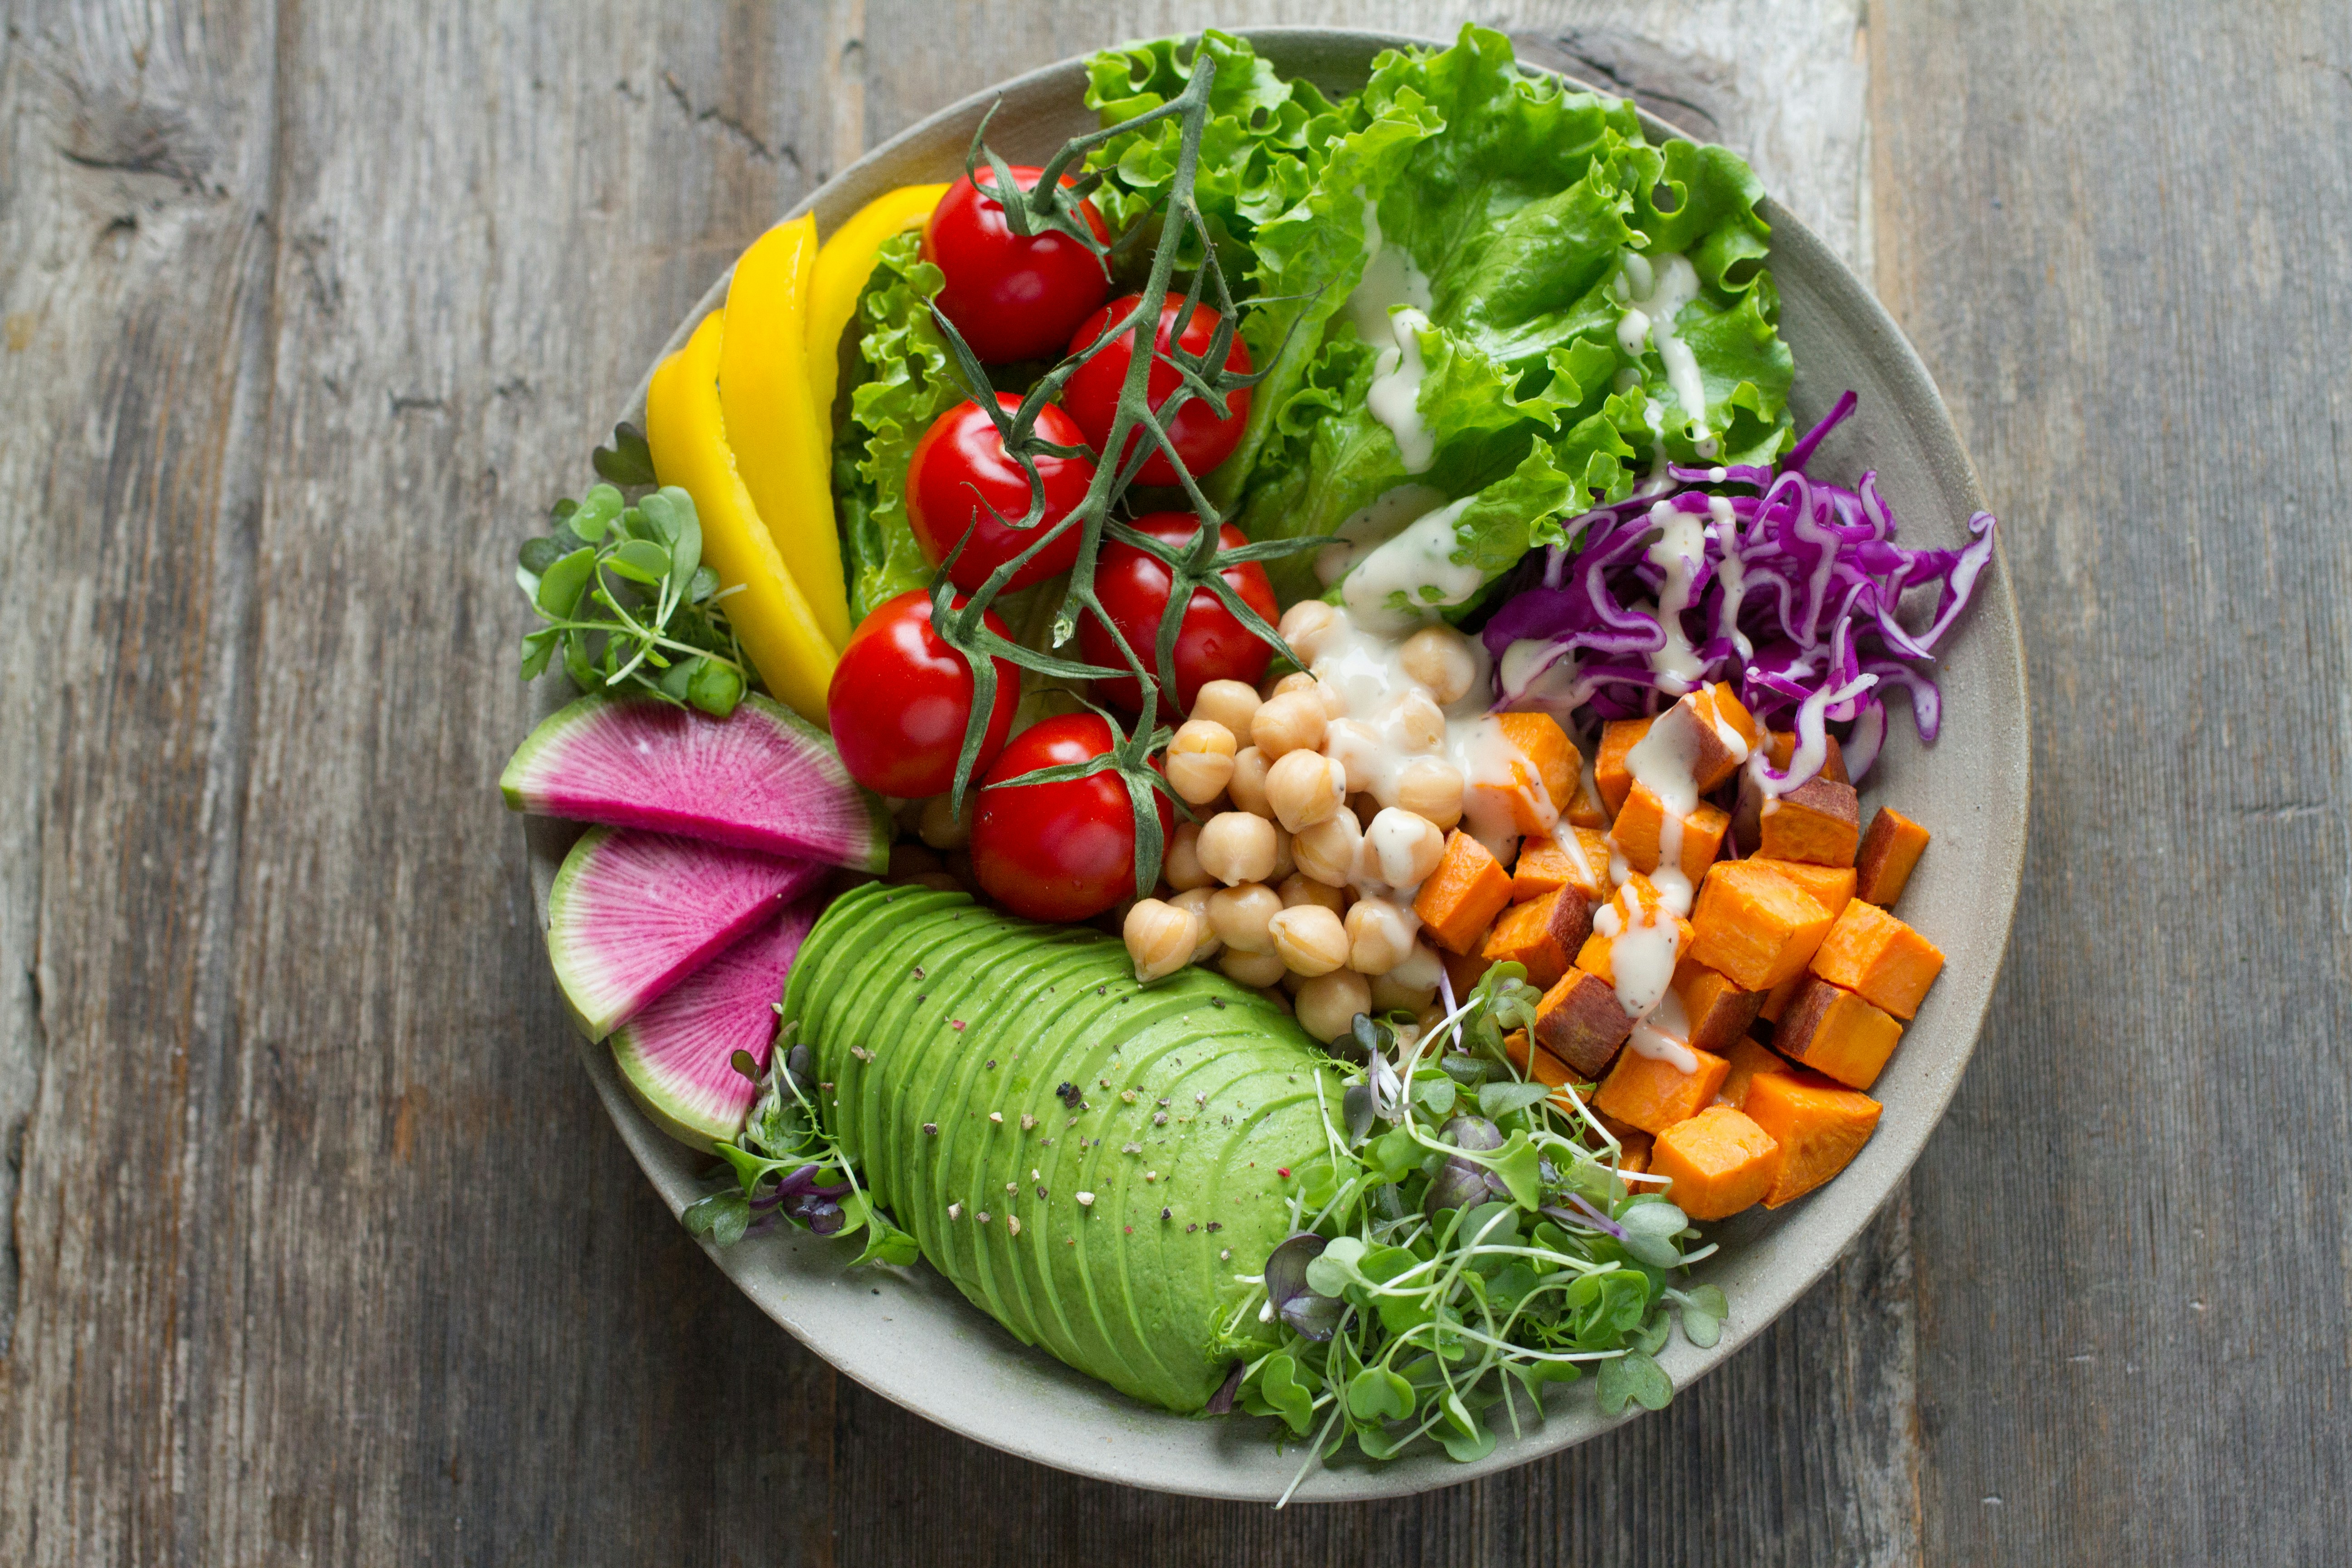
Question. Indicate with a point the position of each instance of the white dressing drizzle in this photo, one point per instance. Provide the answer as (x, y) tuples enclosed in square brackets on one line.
[(1732, 571), (1418, 563), (1390, 279), (1395, 397), (1653, 291), (1384, 517), (1679, 551)]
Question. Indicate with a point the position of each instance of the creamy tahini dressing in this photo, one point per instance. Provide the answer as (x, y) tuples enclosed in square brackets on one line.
[(1678, 551), (1390, 306), (1418, 563), (1653, 291), (1390, 279)]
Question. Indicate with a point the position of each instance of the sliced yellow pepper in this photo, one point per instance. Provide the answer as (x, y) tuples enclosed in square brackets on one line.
[(688, 433), (782, 443), (843, 266)]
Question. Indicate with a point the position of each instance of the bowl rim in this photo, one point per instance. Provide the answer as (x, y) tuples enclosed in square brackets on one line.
[(1802, 1256)]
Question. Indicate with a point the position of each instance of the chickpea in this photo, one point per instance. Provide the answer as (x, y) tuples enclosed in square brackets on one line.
[(1365, 807), (1380, 936), (1256, 969), (942, 829), (1241, 916), (1180, 863), (1285, 863), (1161, 939), (1391, 994), (1307, 626), (1420, 969), (1327, 1004), (1305, 788), (1354, 746), (1200, 760), (1299, 889), (1235, 847), (1310, 939), (1325, 852), (1232, 703), (1282, 684), (1195, 902), (1247, 787), (1430, 789), (1406, 846), (1420, 723), (1291, 722), (1439, 657)]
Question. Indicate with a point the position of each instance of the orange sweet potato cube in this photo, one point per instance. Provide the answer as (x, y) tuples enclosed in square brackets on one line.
[(1872, 953), (1818, 822), (1464, 970), (1632, 910), (1584, 808), (1541, 935), (1641, 826), (1719, 1012), (1889, 850), (1463, 895), (1835, 1032), (1538, 738), (1747, 1058), (1830, 886), (1777, 1000), (1581, 1020), (1820, 1126), (1754, 925), (1713, 729), (1609, 774), (1545, 864), (1634, 1153), (1721, 1160), (1781, 744), (1654, 1093), (1537, 1065)]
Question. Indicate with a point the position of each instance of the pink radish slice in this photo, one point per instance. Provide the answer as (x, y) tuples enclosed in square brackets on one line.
[(632, 914), (678, 1056)]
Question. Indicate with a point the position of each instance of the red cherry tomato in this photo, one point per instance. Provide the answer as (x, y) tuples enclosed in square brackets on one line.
[(1212, 644), (961, 452), (1203, 438), (901, 697), (1012, 299), (1058, 851)]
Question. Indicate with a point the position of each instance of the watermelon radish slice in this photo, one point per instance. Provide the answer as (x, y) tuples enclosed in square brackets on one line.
[(678, 1056), (762, 779), (632, 914)]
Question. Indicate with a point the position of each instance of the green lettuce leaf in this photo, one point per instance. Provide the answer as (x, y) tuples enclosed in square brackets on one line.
[(902, 382), (1490, 530)]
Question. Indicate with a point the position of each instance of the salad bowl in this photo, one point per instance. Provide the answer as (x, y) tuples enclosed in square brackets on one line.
[(910, 1337)]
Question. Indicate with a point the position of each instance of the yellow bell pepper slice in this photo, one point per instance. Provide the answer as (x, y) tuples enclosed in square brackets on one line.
[(782, 443), (772, 618), (842, 265)]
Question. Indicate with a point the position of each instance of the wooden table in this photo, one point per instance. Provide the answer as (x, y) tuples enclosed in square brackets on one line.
[(321, 1248)]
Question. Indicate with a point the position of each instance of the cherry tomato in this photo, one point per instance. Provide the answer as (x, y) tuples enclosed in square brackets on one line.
[(1012, 299), (901, 697), (1203, 438), (1058, 851), (961, 452), (1212, 644)]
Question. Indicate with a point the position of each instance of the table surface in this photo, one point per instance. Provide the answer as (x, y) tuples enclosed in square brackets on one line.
[(320, 1248)]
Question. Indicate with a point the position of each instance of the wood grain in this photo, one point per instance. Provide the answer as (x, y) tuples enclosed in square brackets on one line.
[(321, 1248)]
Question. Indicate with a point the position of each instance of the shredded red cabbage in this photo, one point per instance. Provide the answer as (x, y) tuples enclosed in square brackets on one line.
[(1795, 604)]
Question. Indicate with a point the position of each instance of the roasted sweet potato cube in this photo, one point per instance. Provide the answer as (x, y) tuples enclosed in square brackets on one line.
[(1720, 1163), (1747, 1058), (1889, 850), (1557, 764), (1463, 970), (1548, 863), (1777, 1000), (1541, 935), (1641, 830), (1885, 961), (1820, 1126), (1463, 895), (1711, 728), (1781, 744), (1580, 1022), (1595, 955), (1834, 1031), (1537, 1065), (1609, 774), (1719, 1011), (1635, 1153), (1830, 886), (1754, 925), (1818, 822), (1584, 807), (1655, 1092)]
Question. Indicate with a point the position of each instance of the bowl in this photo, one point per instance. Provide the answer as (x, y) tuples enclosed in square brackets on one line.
[(919, 1344)]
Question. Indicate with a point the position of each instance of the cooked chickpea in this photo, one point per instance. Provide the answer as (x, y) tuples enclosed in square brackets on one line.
[(1200, 760), (1195, 902), (1293, 722), (942, 829), (1242, 914), (1300, 889), (1431, 790), (1354, 746), (1307, 626), (1161, 939), (1380, 936), (1421, 723), (1232, 703), (1258, 969), (1180, 864), (1420, 969), (1325, 852), (1406, 846), (1390, 995), (1310, 939), (1282, 684), (1439, 657), (1247, 787), (1284, 862), (1304, 788), (1365, 807), (1235, 847), (1327, 1004)]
